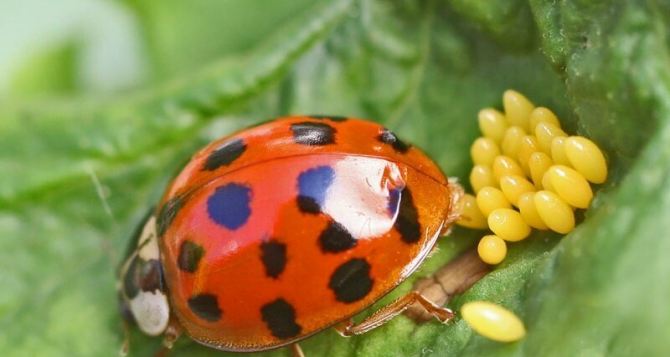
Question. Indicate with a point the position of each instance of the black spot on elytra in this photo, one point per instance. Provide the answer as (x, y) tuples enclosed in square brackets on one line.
[(335, 238), (167, 214), (189, 257), (309, 133), (308, 204), (273, 255), (279, 316), (351, 281), (388, 137), (143, 275), (336, 118), (407, 222), (225, 154), (205, 306)]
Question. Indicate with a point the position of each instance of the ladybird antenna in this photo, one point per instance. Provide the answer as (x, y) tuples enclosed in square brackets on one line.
[(101, 192)]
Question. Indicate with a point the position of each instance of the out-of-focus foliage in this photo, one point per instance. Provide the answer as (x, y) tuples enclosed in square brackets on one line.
[(77, 173)]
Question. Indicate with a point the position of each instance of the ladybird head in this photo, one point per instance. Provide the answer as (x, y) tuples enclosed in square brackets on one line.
[(141, 288)]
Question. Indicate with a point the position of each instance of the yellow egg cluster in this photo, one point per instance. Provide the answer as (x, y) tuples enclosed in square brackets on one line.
[(528, 173)]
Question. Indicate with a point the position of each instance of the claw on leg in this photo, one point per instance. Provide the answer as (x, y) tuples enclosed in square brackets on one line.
[(171, 334), (452, 279)]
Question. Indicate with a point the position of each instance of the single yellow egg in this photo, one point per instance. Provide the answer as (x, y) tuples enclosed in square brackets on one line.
[(546, 182), (504, 166), (542, 115), (492, 124), (490, 199), (545, 133), (471, 216), (483, 151), (482, 176), (492, 249), (538, 164), (512, 141), (517, 108), (570, 185), (513, 186), (555, 212), (493, 321), (529, 212), (558, 151), (508, 224), (587, 158), (527, 147)]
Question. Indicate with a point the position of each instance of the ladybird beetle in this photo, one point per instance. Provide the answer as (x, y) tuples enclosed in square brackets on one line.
[(279, 231)]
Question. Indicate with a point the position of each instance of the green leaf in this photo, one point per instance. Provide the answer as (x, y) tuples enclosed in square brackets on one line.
[(51, 72), (76, 175), (68, 47)]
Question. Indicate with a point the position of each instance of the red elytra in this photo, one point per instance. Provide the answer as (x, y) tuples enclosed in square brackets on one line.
[(277, 232)]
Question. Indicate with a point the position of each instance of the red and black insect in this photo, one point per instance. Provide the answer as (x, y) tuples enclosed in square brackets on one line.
[(280, 231)]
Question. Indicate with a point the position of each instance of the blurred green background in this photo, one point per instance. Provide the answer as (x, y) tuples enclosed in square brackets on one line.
[(102, 101)]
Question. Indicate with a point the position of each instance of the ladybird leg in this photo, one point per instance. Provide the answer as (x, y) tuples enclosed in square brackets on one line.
[(456, 192), (125, 345), (168, 343), (296, 351), (344, 326), (454, 278), (386, 313), (171, 334)]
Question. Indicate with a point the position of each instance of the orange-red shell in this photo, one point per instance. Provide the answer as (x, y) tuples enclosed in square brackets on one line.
[(279, 231)]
